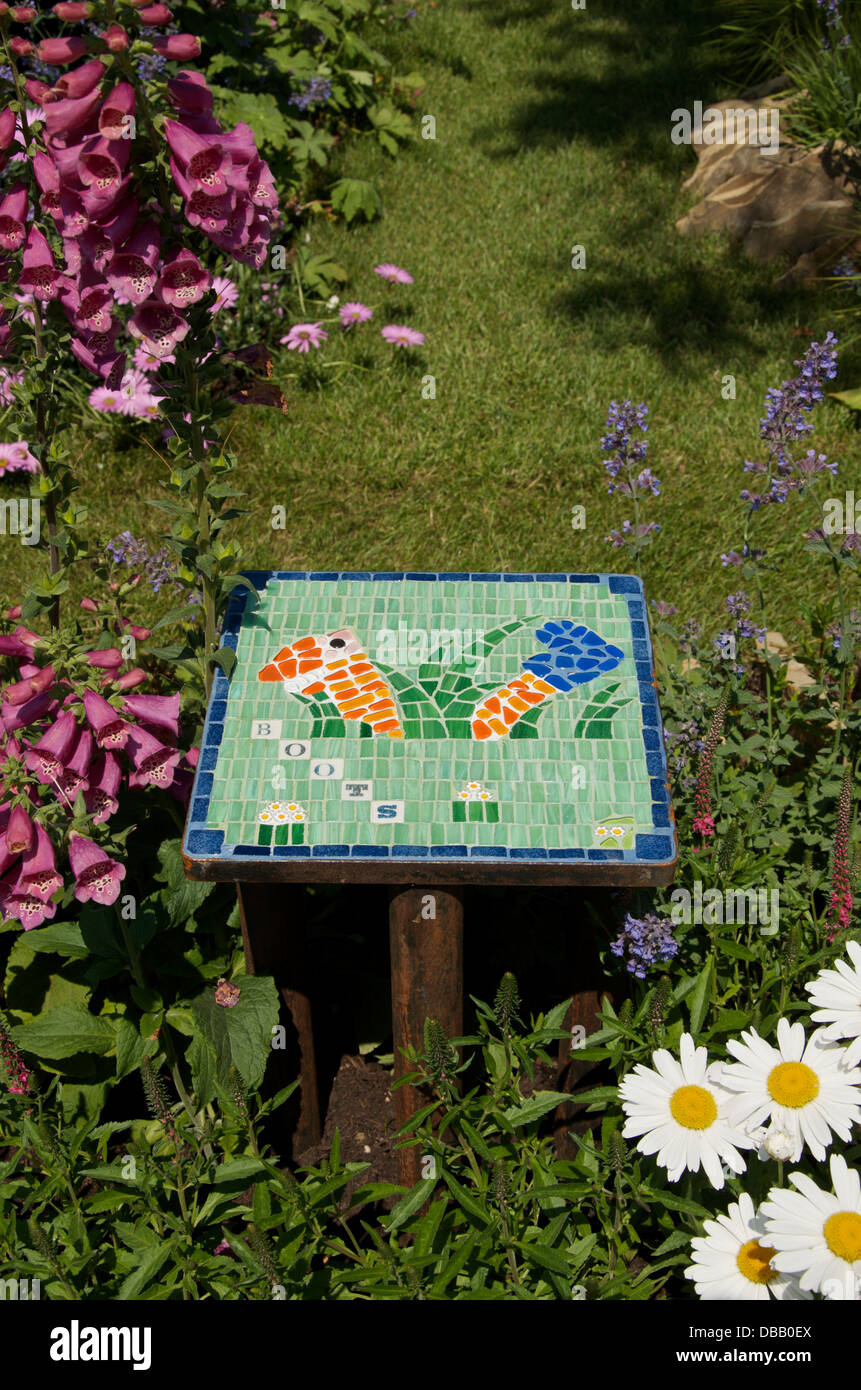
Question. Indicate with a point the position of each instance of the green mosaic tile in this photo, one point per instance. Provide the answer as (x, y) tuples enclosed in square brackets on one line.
[(442, 668)]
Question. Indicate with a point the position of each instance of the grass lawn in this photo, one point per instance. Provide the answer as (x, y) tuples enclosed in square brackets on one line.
[(552, 130)]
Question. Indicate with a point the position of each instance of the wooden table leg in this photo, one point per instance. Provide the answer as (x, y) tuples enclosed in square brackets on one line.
[(274, 941), (426, 936)]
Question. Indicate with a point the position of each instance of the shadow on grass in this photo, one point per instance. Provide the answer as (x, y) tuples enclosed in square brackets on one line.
[(653, 62), (681, 311)]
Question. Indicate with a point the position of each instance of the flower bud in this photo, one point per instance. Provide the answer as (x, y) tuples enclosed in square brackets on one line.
[(72, 10), (116, 38)]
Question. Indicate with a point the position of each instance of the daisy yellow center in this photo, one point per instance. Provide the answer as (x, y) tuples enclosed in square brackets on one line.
[(793, 1084), (753, 1261), (693, 1107), (842, 1233)]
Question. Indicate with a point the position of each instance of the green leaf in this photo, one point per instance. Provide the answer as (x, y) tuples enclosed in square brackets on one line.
[(260, 110), (410, 1204), (241, 1169), (699, 1000), (353, 196), (250, 1025), (146, 1268), (535, 1107), (63, 938), (65, 1031), (851, 398), (544, 1256)]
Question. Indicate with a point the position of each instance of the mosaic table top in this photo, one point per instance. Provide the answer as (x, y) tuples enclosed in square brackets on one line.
[(389, 727)]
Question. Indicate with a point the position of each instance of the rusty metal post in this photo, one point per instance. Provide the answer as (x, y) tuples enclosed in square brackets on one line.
[(274, 942), (426, 938)]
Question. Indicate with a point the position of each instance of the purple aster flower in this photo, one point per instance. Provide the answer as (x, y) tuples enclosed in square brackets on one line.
[(304, 336), (400, 335), (16, 458), (226, 294), (393, 273), (353, 312)]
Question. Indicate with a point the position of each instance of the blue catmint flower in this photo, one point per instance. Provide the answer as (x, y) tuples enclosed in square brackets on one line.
[(645, 941)]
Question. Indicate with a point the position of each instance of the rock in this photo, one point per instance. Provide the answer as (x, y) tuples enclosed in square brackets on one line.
[(778, 204)]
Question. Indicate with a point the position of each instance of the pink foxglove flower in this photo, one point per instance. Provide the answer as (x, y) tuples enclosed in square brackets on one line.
[(97, 878), (159, 327), (116, 109), (72, 113), (13, 215), (183, 280), (39, 275), (133, 271), (38, 877), (108, 658), (25, 908), (155, 711), (227, 994), (100, 795), (188, 92), (400, 335), (116, 38), (79, 82), (393, 273), (305, 336), (74, 776), (58, 52), (20, 833), (47, 758), (72, 10), (154, 762), (155, 14), (110, 729), (204, 160), (178, 46)]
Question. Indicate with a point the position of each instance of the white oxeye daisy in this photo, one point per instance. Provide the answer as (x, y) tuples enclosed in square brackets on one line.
[(473, 786), (680, 1111), (817, 1235), (837, 996), (281, 816), (601, 830), (299, 815), (264, 817), (733, 1261), (616, 830), (464, 796), (291, 806), (805, 1089)]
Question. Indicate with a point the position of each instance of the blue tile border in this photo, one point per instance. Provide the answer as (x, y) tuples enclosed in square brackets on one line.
[(659, 847)]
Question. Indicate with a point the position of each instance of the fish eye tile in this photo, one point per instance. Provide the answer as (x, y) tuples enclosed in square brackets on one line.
[(508, 681)]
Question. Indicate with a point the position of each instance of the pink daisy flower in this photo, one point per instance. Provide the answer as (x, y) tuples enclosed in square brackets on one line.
[(303, 336), (146, 361), (107, 401), (394, 273), (227, 293), (402, 336), (17, 458), (354, 313)]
